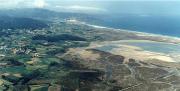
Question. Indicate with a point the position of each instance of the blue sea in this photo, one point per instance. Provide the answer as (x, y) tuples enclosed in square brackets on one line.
[(157, 24)]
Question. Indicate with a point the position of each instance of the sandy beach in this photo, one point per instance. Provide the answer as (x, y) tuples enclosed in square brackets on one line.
[(133, 51)]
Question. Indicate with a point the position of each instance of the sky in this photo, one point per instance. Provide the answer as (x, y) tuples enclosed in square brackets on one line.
[(141, 7)]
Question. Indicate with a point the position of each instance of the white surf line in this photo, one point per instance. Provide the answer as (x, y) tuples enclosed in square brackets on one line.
[(165, 37), (136, 32)]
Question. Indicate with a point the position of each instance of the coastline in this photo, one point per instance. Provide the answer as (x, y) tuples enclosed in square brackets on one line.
[(132, 31), (169, 39), (126, 30), (131, 36), (143, 35), (119, 29)]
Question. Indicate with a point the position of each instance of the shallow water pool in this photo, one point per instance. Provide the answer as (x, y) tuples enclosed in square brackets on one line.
[(159, 47)]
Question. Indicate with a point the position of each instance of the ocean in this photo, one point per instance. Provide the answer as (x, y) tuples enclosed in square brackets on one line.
[(156, 24)]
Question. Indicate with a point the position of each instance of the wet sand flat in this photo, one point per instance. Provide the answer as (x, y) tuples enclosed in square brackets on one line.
[(140, 49)]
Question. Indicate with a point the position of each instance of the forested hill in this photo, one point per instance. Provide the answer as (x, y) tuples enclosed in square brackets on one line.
[(48, 15), (7, 22)]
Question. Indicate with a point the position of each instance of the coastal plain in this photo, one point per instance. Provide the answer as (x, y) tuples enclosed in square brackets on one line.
[(71, 55)]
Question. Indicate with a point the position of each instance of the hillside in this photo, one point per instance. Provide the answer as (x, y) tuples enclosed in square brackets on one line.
[(7, 22), (48, 15)]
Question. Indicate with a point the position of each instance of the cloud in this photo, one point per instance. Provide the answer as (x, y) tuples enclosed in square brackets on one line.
[(9, 3), (78, 8), (75, 7), (23, 3), (40, 3), (52, 5)]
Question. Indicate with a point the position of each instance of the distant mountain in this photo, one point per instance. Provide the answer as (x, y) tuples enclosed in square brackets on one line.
[(29, 13), (38, 18), (44, 14), (7, 22)]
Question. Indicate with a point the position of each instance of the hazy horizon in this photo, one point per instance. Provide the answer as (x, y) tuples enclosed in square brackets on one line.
[(139, 7), (159, 17)]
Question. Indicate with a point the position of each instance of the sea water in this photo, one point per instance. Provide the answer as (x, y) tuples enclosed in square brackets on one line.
[(157, 24)]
